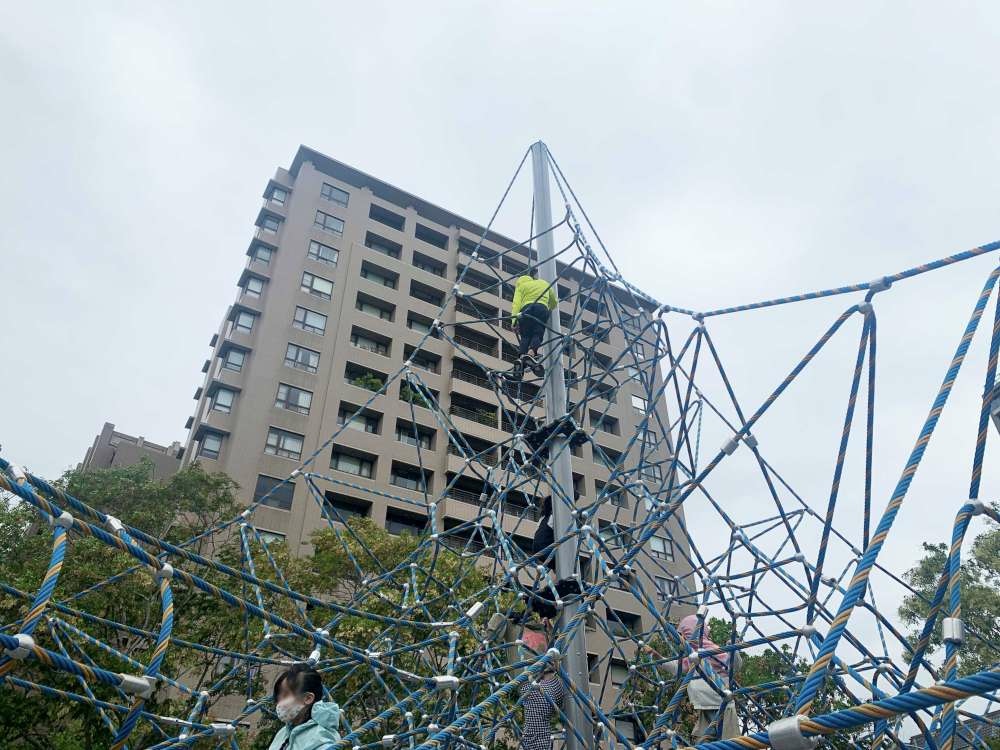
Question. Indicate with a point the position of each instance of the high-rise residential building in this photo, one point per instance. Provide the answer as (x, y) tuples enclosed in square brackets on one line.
[(113, 449), (344, 276)]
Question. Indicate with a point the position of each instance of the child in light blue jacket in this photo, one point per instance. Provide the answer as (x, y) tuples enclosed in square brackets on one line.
[(310, 722)]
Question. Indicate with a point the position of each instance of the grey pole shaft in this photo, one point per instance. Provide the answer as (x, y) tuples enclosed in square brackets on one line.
[(575, 658)]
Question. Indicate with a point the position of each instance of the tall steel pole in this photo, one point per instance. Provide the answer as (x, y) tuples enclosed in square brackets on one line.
[(574, 659)]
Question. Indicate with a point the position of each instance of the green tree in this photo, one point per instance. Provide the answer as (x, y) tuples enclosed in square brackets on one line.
[(980, 598), (190, 501)]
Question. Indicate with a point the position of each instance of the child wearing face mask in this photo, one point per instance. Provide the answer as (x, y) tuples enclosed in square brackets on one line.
[(310, 722)]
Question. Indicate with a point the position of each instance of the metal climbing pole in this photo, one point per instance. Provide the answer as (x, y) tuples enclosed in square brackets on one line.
[(575, 658)]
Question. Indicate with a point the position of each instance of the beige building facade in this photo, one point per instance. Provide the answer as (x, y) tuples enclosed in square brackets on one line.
[(344, 275)]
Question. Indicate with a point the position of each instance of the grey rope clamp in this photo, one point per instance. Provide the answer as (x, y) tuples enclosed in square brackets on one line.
[(865, 308), (20, 476), (25, 646), (139, 685), (64, 520), (953, 631), (786, 734), (388, 740), (879, 285), (446, 682), (221, 729), (978, 507), (167, 571), (114, 525), (729, 447)]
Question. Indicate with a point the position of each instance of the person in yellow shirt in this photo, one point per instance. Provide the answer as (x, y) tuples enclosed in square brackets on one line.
[(534, 299)]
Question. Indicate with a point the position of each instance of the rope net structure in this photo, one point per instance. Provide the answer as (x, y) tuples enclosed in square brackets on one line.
[(440, 657)]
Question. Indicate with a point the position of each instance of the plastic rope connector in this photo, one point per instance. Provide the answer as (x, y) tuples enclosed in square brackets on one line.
[(729, 448), (140, 685), (25, 645), (786, 734), (64, 521), (167, 571), (446, 682), (113, 525), (879, 285), (953, 631), (220, 729)]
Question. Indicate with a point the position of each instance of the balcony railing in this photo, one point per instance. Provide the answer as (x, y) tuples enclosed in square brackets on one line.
[(487, 457), (471, 377), (475, 345), (472, 498), (483, 417)]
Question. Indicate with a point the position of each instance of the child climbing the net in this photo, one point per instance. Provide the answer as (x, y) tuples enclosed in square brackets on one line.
[(705, 700), (539, 698), (534, 299)]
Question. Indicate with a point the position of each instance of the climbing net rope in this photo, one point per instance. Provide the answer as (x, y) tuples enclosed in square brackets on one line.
[(419, 651)]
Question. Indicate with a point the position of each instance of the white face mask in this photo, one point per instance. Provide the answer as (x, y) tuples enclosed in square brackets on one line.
[(288, 710)]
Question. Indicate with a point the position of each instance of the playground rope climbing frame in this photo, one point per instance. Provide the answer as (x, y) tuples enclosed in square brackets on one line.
[(788, 583)]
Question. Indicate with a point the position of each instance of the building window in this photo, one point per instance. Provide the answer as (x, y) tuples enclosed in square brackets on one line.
[(666, 588), (650, 438), (369, 344), (279, 195), (223, 400), (343, 508), (639, 404), (293, 399), (211, 445), (334, 194), (651, 472), (372, 273), (309, 320), (301, 358), (263, 253), (270, 223), (316, 286), (661, 547), (431, 236), (428, 264), (382, 245), (283, 443), (270, 537), (418, 325), (349, 464), (618, 673), (372, 309), (348, 417), (243, 322), (622, 624), (387, 217), (322, 253), (408, 477), (234, 359), (253, 286), (280, 496), (329, 223), (406, 435), (399, 523)]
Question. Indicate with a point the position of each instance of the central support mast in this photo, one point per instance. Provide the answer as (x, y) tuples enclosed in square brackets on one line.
[(574, 659)]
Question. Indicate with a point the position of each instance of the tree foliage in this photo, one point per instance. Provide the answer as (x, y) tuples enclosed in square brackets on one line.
[(980, 598)]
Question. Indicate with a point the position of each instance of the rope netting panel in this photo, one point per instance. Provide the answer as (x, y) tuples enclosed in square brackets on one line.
[(441, 651)]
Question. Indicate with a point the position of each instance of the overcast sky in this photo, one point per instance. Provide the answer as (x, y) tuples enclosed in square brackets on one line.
[(727, 152)]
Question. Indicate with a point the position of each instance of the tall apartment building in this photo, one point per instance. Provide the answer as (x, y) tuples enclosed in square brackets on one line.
[(344, 276)]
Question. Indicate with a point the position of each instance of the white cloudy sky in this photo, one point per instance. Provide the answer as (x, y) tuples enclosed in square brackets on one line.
[(727, 152)]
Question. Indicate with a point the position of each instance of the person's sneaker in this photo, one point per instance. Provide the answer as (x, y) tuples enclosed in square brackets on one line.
[(517, 371), (534, 365)]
